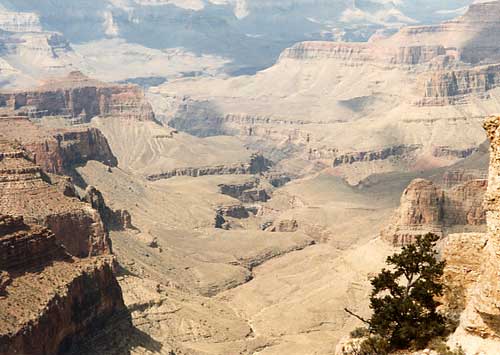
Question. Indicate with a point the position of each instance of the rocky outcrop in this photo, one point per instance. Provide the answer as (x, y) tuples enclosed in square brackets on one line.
[(58, 150), (428, 208), (25, 190), (113, 219), (79, 98), (464, 256), (448, 152), (70, 148), (56, 285), (452, 87), (278, 180), (235, 211), (365, 52), (24, 247), (482, 315), (256, 165), (284, 226), (248, 192), (382, 154), (47, 313)]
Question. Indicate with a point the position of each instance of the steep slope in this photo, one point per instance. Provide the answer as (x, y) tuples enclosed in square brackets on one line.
[(27, 191), (479, 324), (57, 286)]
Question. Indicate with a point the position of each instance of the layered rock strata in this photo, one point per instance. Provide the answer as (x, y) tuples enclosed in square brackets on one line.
[(257, 164), (248, 192), (452, 87), (24, 247), (383, 154), (79, 98), (48, 311), (482, 315), (58, 150), (427, 208), (25, 190), (365, 52)]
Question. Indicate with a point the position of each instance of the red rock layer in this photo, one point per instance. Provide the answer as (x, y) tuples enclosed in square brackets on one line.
[(25, 190), (79, 98), (57, 150), (45, 313), (24, 247)]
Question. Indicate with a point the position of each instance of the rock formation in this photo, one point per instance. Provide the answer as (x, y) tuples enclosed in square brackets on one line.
[(257, 164), (50, 300), (452, 87), (383, 154), (288, 226), (26, 190), (78, 99), (482, 315), (113, 219), (57, 150), (428, 208), (24, 247), (248, 192)]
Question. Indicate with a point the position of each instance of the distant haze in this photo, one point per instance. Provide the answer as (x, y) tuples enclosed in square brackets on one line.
[(249, 34)]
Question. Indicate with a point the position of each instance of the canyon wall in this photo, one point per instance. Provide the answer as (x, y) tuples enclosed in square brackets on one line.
[(482, 315), (78, 98), (452, 87), (48, 299), (352, 53), (26, 190), (257, 164), (58, 150), (428, 208)]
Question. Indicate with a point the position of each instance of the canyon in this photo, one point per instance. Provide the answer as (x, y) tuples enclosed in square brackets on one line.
[(210, 213)]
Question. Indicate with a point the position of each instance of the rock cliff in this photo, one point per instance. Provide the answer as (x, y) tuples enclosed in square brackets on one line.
[(113, 219), (51, 300), (79, 98), (481, 318), (452, 87), (353, 53), (256, 165), (247, 192), (26, 190), (58, 150), (400, 151), (426, 207)]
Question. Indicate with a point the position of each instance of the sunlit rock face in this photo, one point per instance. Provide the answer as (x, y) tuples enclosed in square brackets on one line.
[(479, 329), (427, 207)]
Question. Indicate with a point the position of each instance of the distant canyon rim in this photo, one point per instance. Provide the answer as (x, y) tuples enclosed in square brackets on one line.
[(164, 195)]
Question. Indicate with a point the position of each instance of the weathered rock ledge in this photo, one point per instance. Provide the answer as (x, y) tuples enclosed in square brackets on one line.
[(427, 208), (79, 98), (257, 164), (48, 299)]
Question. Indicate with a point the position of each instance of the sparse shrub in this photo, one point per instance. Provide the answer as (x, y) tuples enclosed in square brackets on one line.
[(375, 345), (360, 332), (439, 346)]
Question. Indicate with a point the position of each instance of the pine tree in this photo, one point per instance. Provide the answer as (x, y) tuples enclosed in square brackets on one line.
[(403, 297)]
